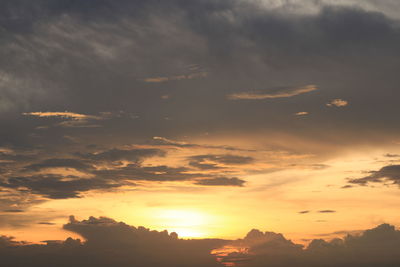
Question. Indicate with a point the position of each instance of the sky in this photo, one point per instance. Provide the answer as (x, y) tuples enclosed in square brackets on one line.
[(205, 118)]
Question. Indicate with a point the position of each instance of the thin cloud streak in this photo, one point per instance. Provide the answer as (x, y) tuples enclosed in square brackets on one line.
[(279, 93)]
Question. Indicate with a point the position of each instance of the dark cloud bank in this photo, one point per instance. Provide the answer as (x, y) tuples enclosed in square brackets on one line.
[(109, 169), (97, 56), (111, 243)]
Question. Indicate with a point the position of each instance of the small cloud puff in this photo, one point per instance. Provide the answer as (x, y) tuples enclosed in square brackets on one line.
[(337, 103), (301, 113)]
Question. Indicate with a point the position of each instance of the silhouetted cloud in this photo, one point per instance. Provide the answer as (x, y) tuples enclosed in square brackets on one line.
[(327, 211), (390, 173), (221, 181), (111, 243), (57, 186), (115, 154), (59, 163), (374, 247), (304, 212)]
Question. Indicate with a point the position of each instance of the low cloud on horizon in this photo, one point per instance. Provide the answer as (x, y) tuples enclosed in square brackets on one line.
[(129, 245)]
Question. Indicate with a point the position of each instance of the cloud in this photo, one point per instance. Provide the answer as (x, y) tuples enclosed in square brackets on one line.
[(162, 141), (57, 186), (374, 247), (389, 155), (327, 211), (133, 155), (46, 223), (209, 162), (111, 243), (390, 173), (76, 173), (304, 212), (14, 210), (176, 78), (65, 114), (302, 113), (59, 163), (73, 120), (274, 93), (337, 103), (221, 181)]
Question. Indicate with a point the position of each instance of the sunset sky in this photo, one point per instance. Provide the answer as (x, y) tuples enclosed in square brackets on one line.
[(207, 118)]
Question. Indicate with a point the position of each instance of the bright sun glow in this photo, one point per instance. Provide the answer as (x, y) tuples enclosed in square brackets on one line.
[(186, 223)]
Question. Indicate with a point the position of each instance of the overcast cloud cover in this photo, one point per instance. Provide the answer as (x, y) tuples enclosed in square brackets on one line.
[(103, 96)]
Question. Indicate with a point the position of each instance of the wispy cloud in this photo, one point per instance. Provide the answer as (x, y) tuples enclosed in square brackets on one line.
[(275, 93), (72, 119), (63, 114), (176, 78)]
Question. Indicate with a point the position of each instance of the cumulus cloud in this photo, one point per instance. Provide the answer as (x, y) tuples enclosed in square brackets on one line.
[(273, 93), (110, 243), (374, 247)]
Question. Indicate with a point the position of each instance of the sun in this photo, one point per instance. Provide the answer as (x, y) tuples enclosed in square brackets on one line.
[(186, 223)]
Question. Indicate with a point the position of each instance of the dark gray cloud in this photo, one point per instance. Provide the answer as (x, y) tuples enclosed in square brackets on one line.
[(327, 211), (162, 141), (57, 186), (304, 212), (61, 54), (221, 181), (59, 163), (104, 169), (14, 210), (132, 155), (390, 173)]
